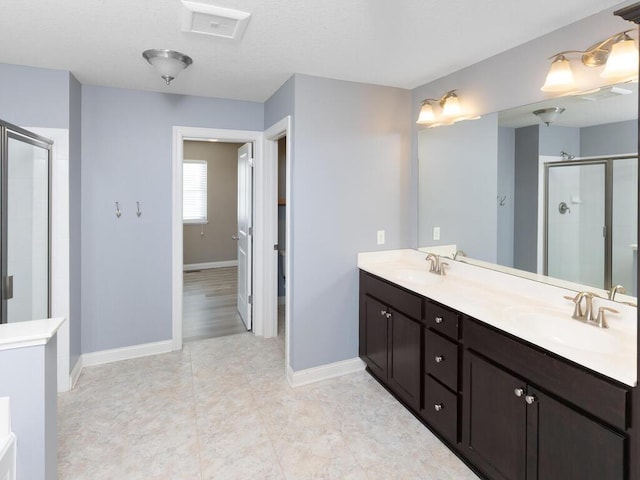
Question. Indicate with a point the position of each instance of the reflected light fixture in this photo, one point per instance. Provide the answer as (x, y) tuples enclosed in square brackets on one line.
[(548, 115), (618, 53), (450, 106), (169, 63)]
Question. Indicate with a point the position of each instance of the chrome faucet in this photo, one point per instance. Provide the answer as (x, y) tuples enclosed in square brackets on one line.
[(436, 265), (616, 289), (587, 314), (459, 252)]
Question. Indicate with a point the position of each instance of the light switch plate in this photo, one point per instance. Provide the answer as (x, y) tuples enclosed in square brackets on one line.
[(380, 237), (436, 233)]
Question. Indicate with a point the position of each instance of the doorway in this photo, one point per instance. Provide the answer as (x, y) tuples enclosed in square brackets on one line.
[(212, 299), (26, 226)]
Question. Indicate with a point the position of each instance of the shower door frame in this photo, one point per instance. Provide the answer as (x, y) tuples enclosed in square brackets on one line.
[(607, 161), (7, 131)]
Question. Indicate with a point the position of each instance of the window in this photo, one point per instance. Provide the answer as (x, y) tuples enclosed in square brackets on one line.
[(194, 191)]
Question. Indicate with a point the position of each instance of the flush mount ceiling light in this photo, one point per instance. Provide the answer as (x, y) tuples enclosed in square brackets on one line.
[(450, 106), (618, 54), (168, 62), (548, 115)]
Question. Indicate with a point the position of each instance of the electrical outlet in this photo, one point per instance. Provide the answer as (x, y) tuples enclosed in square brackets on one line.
[(380, 237), (436, 233)]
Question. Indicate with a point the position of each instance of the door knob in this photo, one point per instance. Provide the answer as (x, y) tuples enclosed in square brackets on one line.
[(235, 237)]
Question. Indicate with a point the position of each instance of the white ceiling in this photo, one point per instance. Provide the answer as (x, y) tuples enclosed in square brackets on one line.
[(402, 43)]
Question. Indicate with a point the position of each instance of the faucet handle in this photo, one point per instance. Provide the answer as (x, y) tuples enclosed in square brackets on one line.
[(601, 319), (441, 271), (433, 262), (577, 311)]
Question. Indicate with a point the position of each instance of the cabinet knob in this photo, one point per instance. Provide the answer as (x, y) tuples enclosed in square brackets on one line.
[(383, 312), (438, 406), (388, 315), (439, 359), (519, 392), (438, 319), (530, 399)]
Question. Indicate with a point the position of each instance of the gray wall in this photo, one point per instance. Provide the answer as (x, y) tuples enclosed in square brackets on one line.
[(34, 97), (281, 103), (553, 140), (216, 245), (350, 179), (126, 157), (75, 222), (458, 186), (609, 139), (525, 238), (506, 179)]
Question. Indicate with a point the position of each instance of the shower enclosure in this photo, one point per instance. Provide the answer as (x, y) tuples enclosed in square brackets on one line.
[(591, 221), (25, 189)]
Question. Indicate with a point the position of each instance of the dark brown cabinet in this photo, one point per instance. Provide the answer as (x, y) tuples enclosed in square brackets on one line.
[(392, 338), (516, 431)]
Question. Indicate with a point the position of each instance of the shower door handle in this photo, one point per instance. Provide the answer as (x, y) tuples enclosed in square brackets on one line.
[(8, 287)]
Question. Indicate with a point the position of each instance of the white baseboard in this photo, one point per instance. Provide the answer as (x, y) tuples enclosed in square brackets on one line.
[(204, 266), (75, 372), (324, 372), (126, 353)]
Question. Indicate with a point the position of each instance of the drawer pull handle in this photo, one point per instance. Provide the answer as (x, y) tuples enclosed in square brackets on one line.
[(438, 319), (439, 359), (530, 399), (519, 392), (438, 407)]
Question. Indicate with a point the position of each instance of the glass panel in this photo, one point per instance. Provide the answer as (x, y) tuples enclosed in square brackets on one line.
[(28, 230), (575, 221), (625, 224)]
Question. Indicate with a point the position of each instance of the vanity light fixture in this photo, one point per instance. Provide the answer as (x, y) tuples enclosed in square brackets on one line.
[(548, 115), (168, 62), (618, 53), (450, 106)]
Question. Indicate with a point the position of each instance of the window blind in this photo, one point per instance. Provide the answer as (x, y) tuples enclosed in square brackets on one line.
[(194, 191)]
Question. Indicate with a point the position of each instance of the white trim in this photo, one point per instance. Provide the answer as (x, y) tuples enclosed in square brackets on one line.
[(222, 135), (125, 353), (270, 204), (324, 372), (75, 373), (206, 265), (60, 290)]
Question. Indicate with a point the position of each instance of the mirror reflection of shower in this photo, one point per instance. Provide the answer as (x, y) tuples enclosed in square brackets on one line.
[(590, 221)]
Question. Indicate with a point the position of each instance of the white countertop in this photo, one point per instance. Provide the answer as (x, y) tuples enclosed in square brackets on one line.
[(28, 334), (533, 311)]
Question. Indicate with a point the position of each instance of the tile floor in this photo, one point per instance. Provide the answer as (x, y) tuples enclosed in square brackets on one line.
[(222, 409)]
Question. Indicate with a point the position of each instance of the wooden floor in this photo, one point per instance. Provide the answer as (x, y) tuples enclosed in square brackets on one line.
[(210, 304)]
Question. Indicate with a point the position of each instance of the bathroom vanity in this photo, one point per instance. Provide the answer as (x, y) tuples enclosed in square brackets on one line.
[(497, 368)]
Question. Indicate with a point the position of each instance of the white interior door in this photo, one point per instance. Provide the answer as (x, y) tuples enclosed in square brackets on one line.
[(245, 233)]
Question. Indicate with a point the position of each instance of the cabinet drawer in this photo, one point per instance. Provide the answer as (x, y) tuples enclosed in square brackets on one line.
[(442, 320), (575, 384), (395, 297), (441, 359), (441, 409)]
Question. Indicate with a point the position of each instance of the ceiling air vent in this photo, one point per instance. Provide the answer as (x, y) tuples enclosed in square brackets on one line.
[(212, 20), (604, 92)]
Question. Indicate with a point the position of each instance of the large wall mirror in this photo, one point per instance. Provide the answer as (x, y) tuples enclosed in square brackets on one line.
[(553, 201)]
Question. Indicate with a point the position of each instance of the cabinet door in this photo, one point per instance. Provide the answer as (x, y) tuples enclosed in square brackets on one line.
[(375, 324), (404, 347), (495, 415), (571, 446)]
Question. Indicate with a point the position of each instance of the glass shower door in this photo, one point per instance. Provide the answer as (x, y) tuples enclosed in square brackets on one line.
[(624, 226), (25, 229), (575, 237)]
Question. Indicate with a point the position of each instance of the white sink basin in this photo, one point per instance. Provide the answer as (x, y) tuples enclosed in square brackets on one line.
[(557, 325)]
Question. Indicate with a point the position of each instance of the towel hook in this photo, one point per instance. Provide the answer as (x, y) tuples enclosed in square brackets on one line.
[(118, 212), (138, 212)]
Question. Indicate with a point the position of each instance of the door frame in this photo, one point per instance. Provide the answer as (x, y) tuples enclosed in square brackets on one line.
[(271, 136), (179, 134)]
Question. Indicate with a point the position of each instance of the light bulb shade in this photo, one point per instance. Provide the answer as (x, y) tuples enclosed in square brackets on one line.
[(168, 62), (426, 113), (623, 60), (451, 106), (548, 115), (560, 76)]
